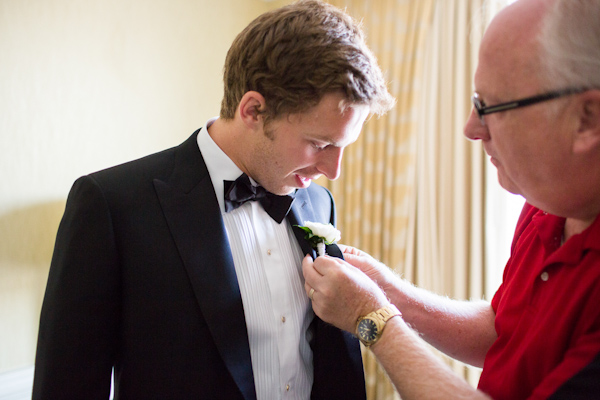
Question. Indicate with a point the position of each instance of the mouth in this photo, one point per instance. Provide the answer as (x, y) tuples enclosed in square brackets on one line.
[(303, 181), (493, 160)]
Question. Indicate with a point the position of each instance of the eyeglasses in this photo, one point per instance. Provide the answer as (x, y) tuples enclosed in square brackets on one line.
[(482, 109)]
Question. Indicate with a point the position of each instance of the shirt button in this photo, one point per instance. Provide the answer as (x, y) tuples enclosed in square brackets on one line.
[(544, 276), (269, 252), (283, 319), (287, 388)]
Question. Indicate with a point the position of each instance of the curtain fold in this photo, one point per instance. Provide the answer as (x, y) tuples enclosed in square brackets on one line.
[(412, 188)]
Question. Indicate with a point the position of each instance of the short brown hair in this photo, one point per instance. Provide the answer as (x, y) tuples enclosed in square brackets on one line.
[(296, 54)]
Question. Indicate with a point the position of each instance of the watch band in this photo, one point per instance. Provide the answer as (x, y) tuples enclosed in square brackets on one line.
[(387, 312), (370, 327)]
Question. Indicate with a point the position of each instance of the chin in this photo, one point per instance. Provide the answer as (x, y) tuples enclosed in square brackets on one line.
[(287, 190), (282, 190), (508, 185)]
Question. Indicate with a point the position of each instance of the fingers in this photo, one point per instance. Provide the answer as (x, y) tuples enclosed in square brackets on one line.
[(355, 260), (339, 292), (312, 275), (314, 271), (308, 267), (348, 249), (361, 261), (351, 257), (321, 265), (308, 272)]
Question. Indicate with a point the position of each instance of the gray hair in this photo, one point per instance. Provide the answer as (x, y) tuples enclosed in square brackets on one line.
[(570, 44)]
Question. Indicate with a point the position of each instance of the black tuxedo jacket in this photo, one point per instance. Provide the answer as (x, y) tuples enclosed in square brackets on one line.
[(142, 279)]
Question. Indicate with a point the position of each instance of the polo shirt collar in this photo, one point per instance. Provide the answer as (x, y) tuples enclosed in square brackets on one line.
[(550, 230)]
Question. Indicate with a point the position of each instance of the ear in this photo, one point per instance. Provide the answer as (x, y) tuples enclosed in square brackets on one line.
[(588, 133), (251, 109)]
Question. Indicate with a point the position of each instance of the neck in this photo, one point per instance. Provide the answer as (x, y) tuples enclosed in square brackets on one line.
[(224, 134), (575, 226)]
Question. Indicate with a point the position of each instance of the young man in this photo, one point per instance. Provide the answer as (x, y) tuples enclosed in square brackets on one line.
[(163, 272), (537, 112)]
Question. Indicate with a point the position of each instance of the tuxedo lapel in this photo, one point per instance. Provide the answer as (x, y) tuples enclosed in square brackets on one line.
[(192, 212), (337, 359), (302, 210)]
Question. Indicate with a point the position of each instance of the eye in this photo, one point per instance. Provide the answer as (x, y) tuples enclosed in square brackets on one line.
[(478, 101), (319, 146)]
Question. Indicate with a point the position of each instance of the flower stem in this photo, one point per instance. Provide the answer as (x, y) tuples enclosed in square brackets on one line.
[(321, 248)]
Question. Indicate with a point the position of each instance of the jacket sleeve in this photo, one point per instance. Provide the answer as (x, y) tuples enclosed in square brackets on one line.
[(80, 313)]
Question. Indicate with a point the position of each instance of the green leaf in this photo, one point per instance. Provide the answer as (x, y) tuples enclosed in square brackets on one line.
[(312, 239)]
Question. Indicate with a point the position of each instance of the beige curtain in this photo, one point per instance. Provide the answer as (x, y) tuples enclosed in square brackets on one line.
[(411, 191)]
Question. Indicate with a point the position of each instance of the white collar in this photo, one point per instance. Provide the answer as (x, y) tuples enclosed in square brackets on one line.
[(220, 166)]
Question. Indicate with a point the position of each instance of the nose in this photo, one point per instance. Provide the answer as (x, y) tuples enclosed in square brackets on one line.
[(330, 162), (474, 129)]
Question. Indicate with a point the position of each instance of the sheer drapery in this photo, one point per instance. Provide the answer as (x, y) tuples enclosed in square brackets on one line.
[(412, 188)]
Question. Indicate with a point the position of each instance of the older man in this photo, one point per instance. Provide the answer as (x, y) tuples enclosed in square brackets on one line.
[(537, 113)]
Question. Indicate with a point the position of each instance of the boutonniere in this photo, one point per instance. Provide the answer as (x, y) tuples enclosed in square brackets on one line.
[(318, 235)]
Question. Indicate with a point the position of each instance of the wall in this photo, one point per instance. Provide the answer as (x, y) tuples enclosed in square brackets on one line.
[(85, 85)]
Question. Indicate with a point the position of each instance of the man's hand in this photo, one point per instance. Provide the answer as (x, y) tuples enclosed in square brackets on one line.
[(342, 293), (383, 276)]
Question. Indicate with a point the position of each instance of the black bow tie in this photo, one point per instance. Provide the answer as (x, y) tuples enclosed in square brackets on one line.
[(241, 190)]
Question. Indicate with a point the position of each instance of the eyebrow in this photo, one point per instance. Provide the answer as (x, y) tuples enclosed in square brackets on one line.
[(328, 140), (322, 139)]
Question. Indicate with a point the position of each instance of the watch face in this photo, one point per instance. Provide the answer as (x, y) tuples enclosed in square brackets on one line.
[(367, 330)]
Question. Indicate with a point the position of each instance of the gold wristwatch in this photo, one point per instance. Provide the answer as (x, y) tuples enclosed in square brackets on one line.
[(370, 327)]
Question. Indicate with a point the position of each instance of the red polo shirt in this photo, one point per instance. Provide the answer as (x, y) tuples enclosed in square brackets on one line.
[(547, 313)]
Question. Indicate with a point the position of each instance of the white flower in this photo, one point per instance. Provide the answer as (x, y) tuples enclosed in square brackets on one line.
[(325, 231), (318, 235)]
